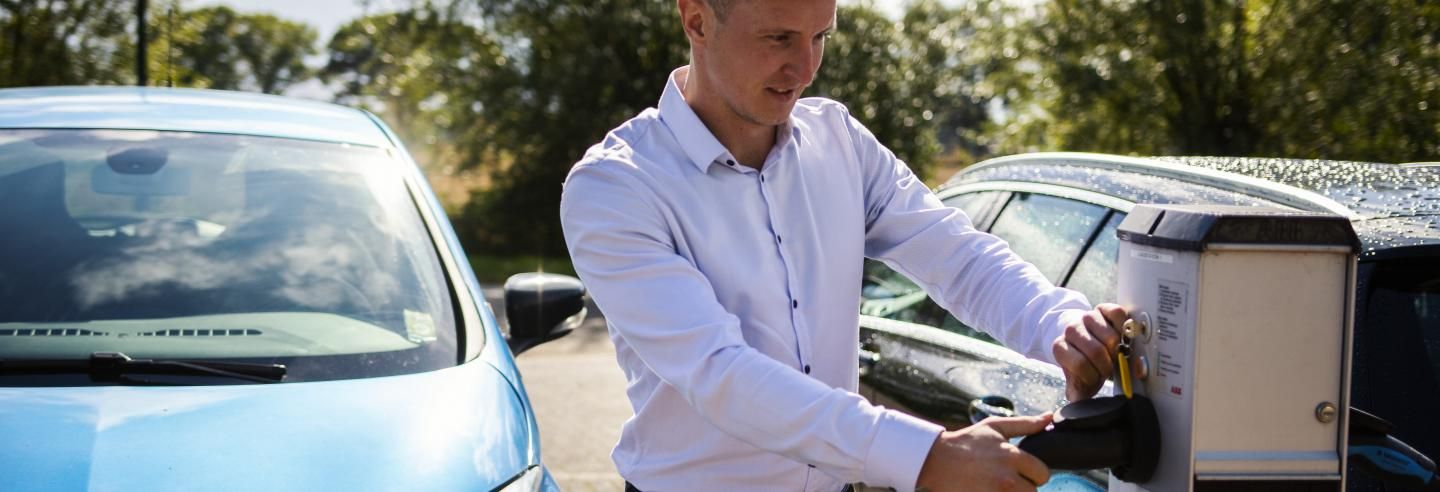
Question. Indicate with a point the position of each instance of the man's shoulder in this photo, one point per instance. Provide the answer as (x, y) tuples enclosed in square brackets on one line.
[(620, 150), (820, 109)]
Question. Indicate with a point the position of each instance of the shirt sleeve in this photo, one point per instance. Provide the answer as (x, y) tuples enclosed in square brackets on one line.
[(972, 274), (666, 311)]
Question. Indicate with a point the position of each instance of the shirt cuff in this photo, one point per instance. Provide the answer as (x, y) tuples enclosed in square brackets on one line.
[(899, 450)]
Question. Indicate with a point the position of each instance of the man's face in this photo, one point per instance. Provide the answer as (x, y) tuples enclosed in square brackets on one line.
[(764, 54)]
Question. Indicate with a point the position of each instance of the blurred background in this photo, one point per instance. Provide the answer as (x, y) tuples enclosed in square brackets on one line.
[(497, 98)]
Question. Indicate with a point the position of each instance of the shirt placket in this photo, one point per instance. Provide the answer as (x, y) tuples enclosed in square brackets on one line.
[(766, 178)]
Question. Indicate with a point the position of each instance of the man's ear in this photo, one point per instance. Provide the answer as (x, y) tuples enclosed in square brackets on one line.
[(693, 17)]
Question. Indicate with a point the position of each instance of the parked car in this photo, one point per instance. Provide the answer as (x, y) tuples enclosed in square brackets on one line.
[(1060, 212), (206, 290)]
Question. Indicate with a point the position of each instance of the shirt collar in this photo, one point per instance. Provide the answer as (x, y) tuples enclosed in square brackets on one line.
[(699, 144)]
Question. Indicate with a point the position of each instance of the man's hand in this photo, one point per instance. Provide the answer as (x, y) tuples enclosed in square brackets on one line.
[(981, 458), (1086, 352)]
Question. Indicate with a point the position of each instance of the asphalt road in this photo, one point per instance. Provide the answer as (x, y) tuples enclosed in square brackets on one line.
[(579, 397)]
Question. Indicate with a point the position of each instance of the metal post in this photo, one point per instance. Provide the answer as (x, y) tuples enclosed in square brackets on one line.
[(142, 74)]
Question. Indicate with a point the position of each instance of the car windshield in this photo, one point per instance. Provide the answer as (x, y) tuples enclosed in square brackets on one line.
[(179, 245)]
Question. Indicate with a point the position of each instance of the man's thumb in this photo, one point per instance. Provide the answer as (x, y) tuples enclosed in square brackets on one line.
[(1020, 426)]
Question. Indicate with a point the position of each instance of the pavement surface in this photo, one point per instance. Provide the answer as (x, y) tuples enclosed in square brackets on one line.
[(578, 393)]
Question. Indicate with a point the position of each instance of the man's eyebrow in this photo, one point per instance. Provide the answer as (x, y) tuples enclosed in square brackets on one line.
[(780, 30)]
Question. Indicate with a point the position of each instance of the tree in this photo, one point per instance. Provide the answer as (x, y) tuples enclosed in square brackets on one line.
[(963, 59), (868, 67), (77, 42), (64, 42), (423, 75), (1318, 79), (582, 67), (219, 48)]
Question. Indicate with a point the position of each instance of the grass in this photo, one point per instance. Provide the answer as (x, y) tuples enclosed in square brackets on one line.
[(495, 269)]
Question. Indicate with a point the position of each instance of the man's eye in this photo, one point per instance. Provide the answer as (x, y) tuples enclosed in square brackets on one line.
[(779, 38)]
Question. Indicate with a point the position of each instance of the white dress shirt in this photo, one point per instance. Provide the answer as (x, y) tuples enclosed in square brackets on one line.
[(732, 296)]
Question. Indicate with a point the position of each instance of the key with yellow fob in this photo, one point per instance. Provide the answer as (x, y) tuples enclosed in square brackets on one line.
[(1122, 366)]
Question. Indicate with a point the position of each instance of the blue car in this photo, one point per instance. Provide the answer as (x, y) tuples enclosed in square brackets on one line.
[(205, 290)]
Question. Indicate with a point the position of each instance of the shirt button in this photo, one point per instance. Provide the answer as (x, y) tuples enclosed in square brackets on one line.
[(794, 304), (730, 162), (807, 368), (777, 238), (762, 178)]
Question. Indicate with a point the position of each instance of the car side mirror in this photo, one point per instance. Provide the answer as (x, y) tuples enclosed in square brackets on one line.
[(542, 307)]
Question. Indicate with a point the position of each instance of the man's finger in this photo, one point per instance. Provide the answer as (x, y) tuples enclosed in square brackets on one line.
[(1095, 351), (1104, 329), (1079, 371), (1099, 352), (1032, 469), (1115, 314), (1018, 426)]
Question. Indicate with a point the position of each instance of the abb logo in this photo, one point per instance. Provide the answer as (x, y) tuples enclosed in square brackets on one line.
[(1175, 390)]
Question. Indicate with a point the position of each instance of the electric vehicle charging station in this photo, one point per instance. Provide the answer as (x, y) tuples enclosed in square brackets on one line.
[(1242, 343), (1235, 364)]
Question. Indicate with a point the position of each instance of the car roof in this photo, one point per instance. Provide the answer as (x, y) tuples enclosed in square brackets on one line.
[(197, 110), (1372, 190), (1391, 205)]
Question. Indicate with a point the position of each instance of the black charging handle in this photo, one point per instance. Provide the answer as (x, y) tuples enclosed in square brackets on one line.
[(1122, 434)]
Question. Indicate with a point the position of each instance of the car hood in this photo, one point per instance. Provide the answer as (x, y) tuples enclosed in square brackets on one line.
[(457, 428)]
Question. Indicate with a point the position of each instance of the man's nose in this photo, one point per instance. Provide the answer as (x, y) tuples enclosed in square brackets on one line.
[(804, 61)]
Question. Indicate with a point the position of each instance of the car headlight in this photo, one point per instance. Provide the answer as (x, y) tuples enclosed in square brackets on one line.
[(528, 481)]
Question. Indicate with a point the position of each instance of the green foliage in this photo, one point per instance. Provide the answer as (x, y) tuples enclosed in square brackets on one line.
[(429, 73), (1318, 79), (65, 42), (583, 68), (219, 48), (867, 68), (77, 42), (965, 57)]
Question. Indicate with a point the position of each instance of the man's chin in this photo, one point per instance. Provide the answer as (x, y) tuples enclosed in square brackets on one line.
[(768, 119), (777, 115), (768, 113)]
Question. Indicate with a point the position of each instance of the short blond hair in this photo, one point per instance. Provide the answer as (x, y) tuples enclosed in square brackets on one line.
[(721, 7)]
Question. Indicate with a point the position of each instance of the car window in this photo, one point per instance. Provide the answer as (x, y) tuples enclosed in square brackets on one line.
[(890, 295), (1047, 231), (1405, 301), (977, 205), (881, 282), (1400, 335), (182, 245), (1094, 275)]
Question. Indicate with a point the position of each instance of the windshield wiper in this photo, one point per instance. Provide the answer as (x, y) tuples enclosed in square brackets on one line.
[(111, 367)]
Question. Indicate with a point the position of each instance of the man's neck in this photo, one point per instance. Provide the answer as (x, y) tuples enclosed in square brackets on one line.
[(750, 143)]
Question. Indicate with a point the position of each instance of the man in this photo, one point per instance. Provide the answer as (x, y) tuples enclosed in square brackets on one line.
[(723, 236)]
